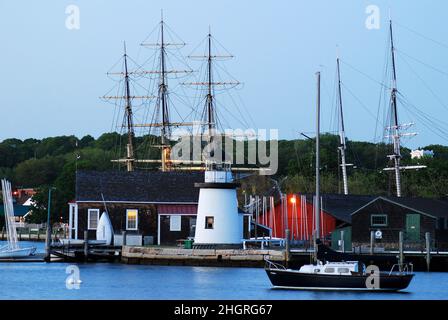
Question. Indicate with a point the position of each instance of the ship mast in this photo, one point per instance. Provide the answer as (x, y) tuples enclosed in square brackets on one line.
[(342, 143), (163, 105), (162, 102), (128, 122), (210, 107), (209, 114), (129, 117), (396, 157), (395, 128)]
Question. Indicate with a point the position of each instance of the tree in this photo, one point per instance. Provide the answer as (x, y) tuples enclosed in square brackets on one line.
[(38, 172)]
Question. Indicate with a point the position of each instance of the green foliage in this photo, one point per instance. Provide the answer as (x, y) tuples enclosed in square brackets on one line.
[(53, 162), (37, 172)]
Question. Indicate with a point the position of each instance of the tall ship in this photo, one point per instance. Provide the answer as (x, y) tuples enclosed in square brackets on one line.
[(163, 95)]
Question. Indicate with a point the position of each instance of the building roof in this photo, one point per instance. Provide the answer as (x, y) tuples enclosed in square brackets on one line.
[(436, 208), (342, 207), (138, 186), (19, 210)]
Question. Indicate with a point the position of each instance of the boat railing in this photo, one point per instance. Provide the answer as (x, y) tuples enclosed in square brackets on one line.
[(406, 268), (273, 265)]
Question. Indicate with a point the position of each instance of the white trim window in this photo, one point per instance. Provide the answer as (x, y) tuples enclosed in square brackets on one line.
[(93, 216), (378, 220), (131, 219), (175, 222)]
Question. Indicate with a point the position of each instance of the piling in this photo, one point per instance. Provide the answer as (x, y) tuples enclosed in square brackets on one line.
[(372, 242), (400, 245), (428, 250), (47, 243), (287, 247), (342, 242), (124, 237), (86, 245)]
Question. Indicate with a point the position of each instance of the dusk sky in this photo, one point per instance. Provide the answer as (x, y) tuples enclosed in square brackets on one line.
[(52, 77)]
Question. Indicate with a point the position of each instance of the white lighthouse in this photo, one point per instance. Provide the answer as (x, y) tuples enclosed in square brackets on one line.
[(218, 221)]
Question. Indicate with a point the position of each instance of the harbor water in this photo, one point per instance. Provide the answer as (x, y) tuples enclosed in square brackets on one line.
[(30, 280)]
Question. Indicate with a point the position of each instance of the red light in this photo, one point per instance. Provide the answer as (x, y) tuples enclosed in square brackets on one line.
[(293, 199)]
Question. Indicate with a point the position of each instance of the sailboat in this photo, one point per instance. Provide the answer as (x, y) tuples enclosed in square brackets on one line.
[(345, 275), (12, 249)]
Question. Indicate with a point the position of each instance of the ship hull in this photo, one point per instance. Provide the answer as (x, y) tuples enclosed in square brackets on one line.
[(291, 279)]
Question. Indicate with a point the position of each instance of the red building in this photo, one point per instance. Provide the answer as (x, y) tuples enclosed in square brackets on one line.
[(296, 213)]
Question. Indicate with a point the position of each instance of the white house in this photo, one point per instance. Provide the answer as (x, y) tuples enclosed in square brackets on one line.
[(418, 154)]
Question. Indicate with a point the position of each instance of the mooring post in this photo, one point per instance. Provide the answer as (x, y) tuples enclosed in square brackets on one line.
[(342, 242), (124, 237), (86, 245), (287, 247), (428, 250), (48, 233), (48, 243), (372, 241), (400, 245)]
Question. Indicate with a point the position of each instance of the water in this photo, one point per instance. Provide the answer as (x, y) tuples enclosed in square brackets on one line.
[(119, 281)]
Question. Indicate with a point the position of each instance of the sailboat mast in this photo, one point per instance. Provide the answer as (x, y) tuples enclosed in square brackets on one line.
[(317, 200), (129, 116), (395, 128), (342, 144)]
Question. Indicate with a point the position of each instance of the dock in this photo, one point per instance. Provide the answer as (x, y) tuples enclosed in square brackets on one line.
[(199, 257), (40, 257), (81, 251), (155, 255)]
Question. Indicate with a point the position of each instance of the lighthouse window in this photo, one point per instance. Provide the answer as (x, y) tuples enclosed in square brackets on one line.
[(209, 222), (131, 219)]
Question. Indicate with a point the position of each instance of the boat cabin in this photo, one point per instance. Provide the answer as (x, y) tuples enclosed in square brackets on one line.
[(334, 268)]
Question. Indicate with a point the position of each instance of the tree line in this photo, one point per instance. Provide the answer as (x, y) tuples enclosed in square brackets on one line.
[(53, 161)]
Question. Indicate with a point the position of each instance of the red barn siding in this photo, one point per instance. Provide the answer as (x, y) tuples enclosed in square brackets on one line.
[(298, 217)]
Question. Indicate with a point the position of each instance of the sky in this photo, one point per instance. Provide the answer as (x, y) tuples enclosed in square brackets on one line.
[(52, 77)]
